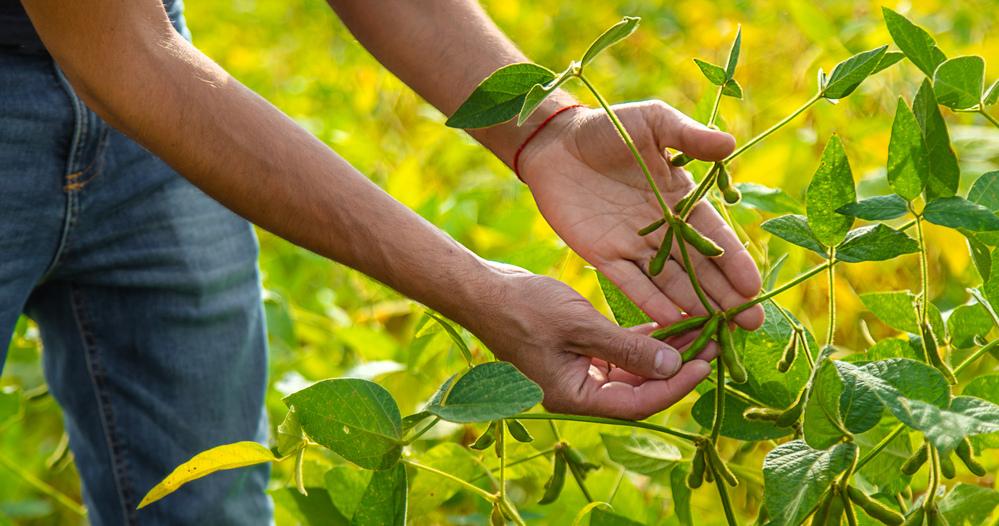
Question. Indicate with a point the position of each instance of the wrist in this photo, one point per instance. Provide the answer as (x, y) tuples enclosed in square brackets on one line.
[(505, 139)]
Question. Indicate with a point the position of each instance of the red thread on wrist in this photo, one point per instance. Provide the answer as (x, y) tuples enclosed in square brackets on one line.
[(516, 156)]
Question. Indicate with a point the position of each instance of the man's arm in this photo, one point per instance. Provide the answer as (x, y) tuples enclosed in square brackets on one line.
[(129, 65), (583, 179)]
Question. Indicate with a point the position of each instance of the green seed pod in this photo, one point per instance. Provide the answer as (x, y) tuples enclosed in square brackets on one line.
[(696, 476), (933, 354), (947, 466), (701, 341), (486, 439), (659, 260), (553, 488), (762, 414), (732, 195), (789, 354), (822, 511), (577, 461), (791, 415), (729, 354), (496, 518), (848, 511), (680, 160), (835, 512), (916, 460), (935, 518), (965, 454), (697, 240), (680, 327), (518, 431), (724, 182), (720, 467), (915, 518), (875, 509), (652, 227)]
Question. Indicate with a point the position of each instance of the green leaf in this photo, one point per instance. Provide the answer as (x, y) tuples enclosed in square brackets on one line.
[(944, 171), (959, 82), (849, 74), (602, 517), (289, 434), (733, 55), (346, 485), (681, 494), (356, 419), (429, 491), (500, 96), (454, 335), (794, 229), (991, 94), (980, 254), (734, 425), (715, 74), (732, 89), (615, 34), (836, 408), (643, 454), (966, 322), (767, 199), (889, 59), (228, 456), (540, 91), (877, 208), (795, 476), (830, 189), (985, 387), (384, 501), (985, 191), (883, 469), (761, 350), (914, 41), (875, 243), (968, 504), (624, 310), (958, 212), (314, 508), (908, 160), (897, 309), (895, 348), (486, 392)]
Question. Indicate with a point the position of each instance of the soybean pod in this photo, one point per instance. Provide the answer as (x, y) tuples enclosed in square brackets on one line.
[(680, 327), (721, 469), (699, 241), (652, 227), (696, 476), (659, 260), (554, 485), (730, 355), (873, 508), (947, 466), (729, 192), (789, 354), (967, 458), (916, 460), (701, 341)]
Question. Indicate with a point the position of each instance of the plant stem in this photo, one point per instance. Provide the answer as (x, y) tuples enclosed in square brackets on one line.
[(617, 486), (716, 423), (689, 267), (879, 446), (931, 490), (783, 288), (578, 477), (924, 279), (749, 144), (977, 354), (831, 331), (989, 117), (464, 483), (667, 212), (723, 495), (420, 433), (608, 421), (501, 451), (41, 486), (737, 393), (699, 192), (519, 461), (714, 109)]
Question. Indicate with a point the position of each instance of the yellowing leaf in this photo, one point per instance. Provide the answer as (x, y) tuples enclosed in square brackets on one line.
[(229, 456)]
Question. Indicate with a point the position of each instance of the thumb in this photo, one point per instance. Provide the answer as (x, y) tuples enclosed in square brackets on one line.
[(637, 353), (675, 130)]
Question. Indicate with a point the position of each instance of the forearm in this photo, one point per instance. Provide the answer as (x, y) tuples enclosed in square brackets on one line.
[(442, 49), (248, 155)]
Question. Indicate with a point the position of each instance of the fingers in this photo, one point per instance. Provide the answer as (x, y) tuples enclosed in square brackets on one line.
[(636, 353), (737, 265), (675, 130), (620, 399)]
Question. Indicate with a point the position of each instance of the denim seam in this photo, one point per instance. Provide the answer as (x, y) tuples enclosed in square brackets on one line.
[(75, 181), (116, 450)]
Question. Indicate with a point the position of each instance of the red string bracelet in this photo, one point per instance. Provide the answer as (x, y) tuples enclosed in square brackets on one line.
[(516, 156)]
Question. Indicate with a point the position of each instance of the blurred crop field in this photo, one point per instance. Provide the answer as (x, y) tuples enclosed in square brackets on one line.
[(327, 321)]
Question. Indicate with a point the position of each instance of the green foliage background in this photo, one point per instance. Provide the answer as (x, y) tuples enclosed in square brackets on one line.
[(327, 321)]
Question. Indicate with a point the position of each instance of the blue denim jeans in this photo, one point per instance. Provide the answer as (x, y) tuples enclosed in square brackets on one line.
[(147, 295)]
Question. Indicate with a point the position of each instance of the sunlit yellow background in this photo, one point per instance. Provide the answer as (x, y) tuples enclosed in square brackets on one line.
[(326, 320)]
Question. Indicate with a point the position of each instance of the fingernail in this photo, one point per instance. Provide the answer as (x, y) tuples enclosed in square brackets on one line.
[(667, 361)]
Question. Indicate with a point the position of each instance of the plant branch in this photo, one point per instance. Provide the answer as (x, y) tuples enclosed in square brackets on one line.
[(41, 486), (977, 354), (518, 461), (723, 494), (783, 288), (489, 497), (989, 117), (689, 267), (879, 447), (831, 330), (609, 421), (780, 124), (421, 432), (716, 422)]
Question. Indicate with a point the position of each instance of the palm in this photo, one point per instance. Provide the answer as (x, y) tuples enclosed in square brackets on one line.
[(590, 189)]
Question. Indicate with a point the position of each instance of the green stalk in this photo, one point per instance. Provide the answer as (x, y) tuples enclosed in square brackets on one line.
[(489, 497), (989, 117), (978, 354), (421, 432), (716, 423), (773, 128), (931, 490), (501, 451), (519, 461), (879, 447), (689, 267), (702, 189), (783, 288), (714, 109), (831, 331), (667, 212), (723, 495), (578, 477), (608, 421), (924, 279), (41, 486)]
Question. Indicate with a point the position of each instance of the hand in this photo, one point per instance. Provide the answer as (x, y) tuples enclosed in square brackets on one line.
[(590, 189), (556, 338)]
